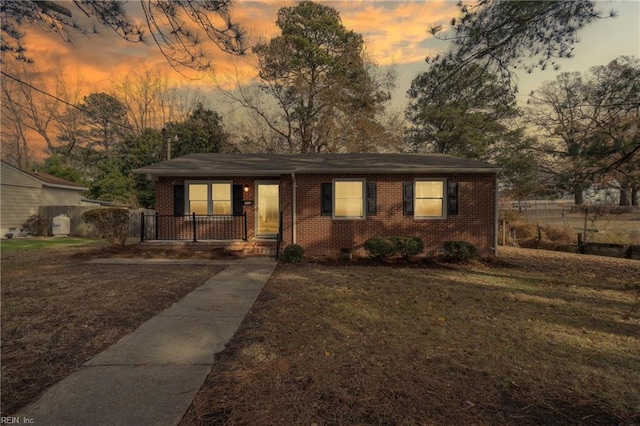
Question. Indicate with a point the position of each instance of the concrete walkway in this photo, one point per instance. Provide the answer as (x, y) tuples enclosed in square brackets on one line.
[(151, 376)]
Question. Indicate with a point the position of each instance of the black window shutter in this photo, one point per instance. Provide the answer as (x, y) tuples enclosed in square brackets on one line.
[(237, 200), (371, 199), (452, 198), (407, 192), (178, 200), (327, 199)]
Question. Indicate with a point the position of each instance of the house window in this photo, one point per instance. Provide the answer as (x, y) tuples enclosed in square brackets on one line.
[(209, 198), (198, 199), (221, 198), (348, 199), (345, 199), (429, 199)]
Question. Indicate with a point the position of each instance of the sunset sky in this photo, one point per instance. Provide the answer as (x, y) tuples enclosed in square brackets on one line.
[(396, 34)]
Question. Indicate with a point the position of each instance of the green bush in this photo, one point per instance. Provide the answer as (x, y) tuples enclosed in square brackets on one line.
[(35, 225), (112, 223), (408, 246), (293, 253), (460, 251), (380, 248)]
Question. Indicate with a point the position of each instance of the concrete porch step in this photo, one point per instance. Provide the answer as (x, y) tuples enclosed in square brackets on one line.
[(261, 247)]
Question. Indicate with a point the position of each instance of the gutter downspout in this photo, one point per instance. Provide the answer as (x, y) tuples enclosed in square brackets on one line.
[(294, 207)]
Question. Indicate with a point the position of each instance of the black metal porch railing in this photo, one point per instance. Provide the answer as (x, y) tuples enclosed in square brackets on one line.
[(279, 237), (193, 227)]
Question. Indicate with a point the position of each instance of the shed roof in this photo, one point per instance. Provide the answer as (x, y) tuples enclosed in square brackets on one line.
[(52, 180), (45, 179), (276, 164)]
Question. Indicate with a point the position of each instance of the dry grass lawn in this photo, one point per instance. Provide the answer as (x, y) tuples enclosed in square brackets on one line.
[(534, 337), (58, 311)]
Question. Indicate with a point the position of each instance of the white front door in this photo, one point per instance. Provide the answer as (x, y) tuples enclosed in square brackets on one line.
[(267, 209)]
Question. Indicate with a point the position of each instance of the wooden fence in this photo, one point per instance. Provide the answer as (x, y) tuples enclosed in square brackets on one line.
[(78, 226)]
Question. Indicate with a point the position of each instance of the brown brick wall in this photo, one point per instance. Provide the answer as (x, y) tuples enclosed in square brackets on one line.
[(321, 235)]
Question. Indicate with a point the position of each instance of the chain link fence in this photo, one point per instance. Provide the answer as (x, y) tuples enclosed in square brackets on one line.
[(591, 223)]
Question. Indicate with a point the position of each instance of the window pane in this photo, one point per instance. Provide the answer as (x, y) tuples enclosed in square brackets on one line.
[(348, 190), (429, 189), (348, 199), (198, 192), (428, 207), (348, 208), (221, 191), (222, 207), (198, 207)]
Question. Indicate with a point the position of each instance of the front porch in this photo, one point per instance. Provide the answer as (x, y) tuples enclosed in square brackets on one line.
[(226, 233), (193, 227)]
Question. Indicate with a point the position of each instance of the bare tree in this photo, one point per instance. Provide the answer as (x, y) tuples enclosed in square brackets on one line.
[(144, 93), (591, 122), (27, 111), (15, 146), (69, 121)]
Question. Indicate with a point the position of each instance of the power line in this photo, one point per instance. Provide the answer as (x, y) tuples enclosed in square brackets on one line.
[(83, 110), (27, 108)]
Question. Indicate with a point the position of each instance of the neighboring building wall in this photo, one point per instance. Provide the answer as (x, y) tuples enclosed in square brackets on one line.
[(20, 198), (60, 197), (321, 235)]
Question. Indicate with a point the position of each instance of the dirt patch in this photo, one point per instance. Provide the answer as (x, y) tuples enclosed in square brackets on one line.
[(58, 311), (531, 337)]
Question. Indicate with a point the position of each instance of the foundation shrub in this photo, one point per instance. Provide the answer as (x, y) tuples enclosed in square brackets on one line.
[(111, 223), (408, 246), (460, 251), (380, 248), (293, 253)]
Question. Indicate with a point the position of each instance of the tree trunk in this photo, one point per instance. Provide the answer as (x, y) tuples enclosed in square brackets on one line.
[(625, 199), (577, 194), (634, 195)]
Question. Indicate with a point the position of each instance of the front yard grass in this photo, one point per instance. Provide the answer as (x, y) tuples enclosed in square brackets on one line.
[(40, 243), (58, 311), (533, 338)]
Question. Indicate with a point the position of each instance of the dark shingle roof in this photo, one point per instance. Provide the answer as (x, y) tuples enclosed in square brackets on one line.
[(276, 164), (54, 180)]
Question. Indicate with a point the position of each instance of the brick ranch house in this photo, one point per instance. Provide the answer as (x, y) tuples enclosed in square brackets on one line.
[(327, 203)]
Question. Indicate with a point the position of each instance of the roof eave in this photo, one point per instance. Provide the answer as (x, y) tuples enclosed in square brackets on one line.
[(314, 171), (402, 171), (54, 185), (204, 173)]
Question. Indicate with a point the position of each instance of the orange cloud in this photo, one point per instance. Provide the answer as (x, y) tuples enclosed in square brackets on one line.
[(394, 33)]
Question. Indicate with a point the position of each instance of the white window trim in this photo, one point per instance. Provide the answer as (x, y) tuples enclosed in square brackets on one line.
[(209, 214), (444, 198), (364, 199)]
